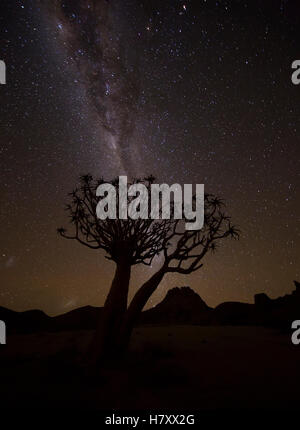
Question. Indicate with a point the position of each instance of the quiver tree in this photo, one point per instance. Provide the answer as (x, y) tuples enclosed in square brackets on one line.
[(128, 242)]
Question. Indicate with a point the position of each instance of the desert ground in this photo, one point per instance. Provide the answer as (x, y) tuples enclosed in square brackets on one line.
[(174, 367)]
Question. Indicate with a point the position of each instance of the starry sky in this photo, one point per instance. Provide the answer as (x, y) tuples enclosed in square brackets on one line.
[(194, 91)]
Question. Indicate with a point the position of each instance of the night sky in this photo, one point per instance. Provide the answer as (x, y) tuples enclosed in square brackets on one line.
[(189, 91)]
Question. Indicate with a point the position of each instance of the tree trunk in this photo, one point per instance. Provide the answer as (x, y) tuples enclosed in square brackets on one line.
[(136, 306), (104, 341)]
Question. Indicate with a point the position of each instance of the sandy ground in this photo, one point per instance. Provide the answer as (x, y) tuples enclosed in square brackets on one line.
[(175, 367)]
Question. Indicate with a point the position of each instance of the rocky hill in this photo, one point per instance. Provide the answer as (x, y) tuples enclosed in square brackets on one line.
[(180, 306)]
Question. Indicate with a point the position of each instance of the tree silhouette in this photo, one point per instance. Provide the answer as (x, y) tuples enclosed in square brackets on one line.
[(137, 241)]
